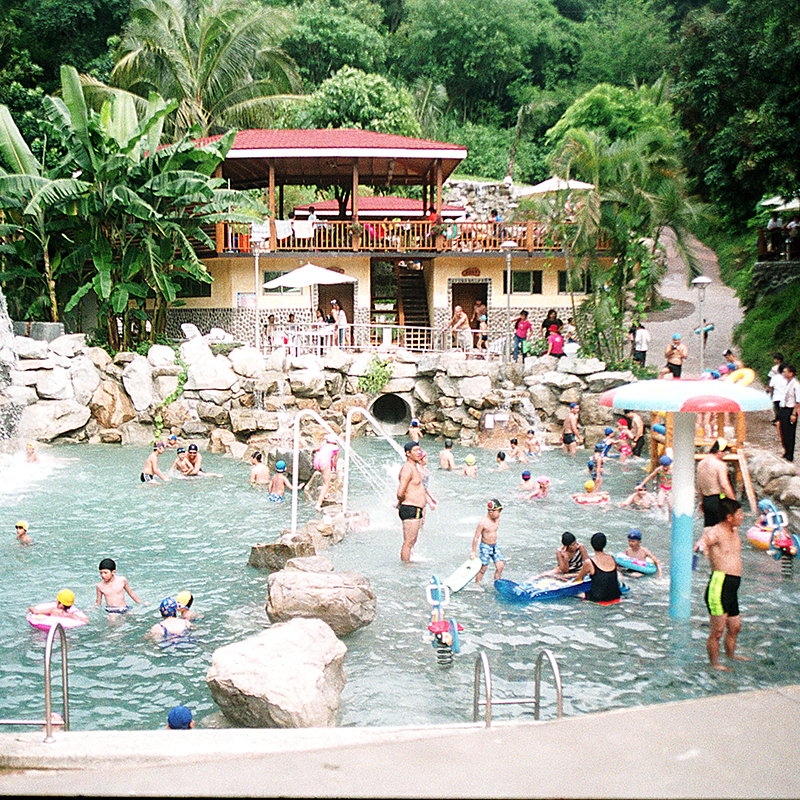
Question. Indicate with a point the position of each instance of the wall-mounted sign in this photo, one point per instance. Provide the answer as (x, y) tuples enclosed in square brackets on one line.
[(471, 272)]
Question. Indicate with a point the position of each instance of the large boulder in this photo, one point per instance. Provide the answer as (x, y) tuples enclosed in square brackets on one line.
[(160, 356), (307, 382), (250, 420), (602, 381), (55, 384), (69, 345), (137, 378), (289, 676), (247, 361), (581, 366), (48, 419), (85, 379), (27, 348), (209, 372), (110, 406), (274, 555), (344, 600)]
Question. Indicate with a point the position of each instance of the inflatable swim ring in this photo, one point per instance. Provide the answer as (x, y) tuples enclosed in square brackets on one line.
[(585, 499), (744, 376), (646, 567), (544, 588), (46, 621), (759, 537)]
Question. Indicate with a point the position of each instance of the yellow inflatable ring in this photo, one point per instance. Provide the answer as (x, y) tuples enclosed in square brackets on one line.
[(745, 376)]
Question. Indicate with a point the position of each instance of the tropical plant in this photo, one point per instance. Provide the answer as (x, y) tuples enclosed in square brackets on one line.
[(219, 59), (376, 377)]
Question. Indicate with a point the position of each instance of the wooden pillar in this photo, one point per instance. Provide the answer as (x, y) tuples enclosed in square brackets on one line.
[(273, 242), (280, 202), (219, 228), (439, 236), (354, 194)]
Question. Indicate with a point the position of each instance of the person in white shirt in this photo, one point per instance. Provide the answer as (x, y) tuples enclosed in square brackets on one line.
[(776, 385), (788, 412), (774, 221), (641, 341), (340, 318)]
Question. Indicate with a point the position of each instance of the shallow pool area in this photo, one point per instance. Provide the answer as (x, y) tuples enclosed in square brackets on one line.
[(86, 503)]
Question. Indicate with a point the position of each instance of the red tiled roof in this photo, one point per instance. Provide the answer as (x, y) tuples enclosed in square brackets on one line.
[(328, 139)]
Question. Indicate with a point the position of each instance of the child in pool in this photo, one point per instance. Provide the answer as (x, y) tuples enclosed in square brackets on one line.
[(171, 624), (595, 465), (31, 456), (22, 532), (63, 607), (533, 443), (624, 440), (639, 553), (590, 494), (608, 442), (542, 487), (279, 483), (502, 465), (484, 543), (640, 498), (446, 459), (150, 469), (516, 451), (527, 484), (664, 471), (471, 469), (112, 587)]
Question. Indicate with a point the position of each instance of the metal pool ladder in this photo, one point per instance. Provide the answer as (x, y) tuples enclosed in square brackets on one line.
[(48, 704), (482, 667)]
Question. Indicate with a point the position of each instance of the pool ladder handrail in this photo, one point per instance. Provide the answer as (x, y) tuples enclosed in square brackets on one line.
[(482, 667), (48, 700)]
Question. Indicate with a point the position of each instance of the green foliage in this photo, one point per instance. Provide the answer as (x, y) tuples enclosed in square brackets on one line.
[(219, 59), (376, 377), (158, 414), (354, 99), (738, 92), (773, 325), (624, 41), (327, 38), (616, 112), (477, 50)]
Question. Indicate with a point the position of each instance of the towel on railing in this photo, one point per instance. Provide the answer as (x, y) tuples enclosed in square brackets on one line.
[(303, 229), (283, 228)]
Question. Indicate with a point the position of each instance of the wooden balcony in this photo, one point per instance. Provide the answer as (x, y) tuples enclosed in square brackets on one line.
[(408, 236)]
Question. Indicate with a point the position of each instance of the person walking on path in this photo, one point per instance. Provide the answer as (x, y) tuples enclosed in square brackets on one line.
[(641, 341), (522, 328), (787, 420), (460, 326), (676, 353)]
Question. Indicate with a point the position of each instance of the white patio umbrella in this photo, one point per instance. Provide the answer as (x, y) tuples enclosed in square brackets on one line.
[(775, 200), (792, 205), (308, 275), (556, 184)]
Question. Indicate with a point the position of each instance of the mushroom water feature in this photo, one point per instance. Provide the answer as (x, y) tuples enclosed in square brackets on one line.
[(685, 398)]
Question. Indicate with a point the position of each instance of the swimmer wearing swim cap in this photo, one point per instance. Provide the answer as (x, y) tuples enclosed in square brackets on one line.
[(180, 719), (112, 588), (171, 624), (22, 532)]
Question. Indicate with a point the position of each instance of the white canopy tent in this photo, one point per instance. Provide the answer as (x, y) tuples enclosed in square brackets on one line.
[(308, 275), (556, 184)]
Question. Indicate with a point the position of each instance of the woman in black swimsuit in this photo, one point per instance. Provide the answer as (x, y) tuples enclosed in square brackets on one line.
[(603, 571)]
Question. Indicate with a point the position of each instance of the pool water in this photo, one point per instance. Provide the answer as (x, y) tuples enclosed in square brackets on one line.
[(86, 503)]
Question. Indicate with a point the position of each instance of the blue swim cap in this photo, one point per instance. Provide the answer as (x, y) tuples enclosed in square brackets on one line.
[(665, 461), (598, 447), (168, 607), (609, 431), (765, 505), (179, 718), (526, 474), (635, 534), (280, 466)]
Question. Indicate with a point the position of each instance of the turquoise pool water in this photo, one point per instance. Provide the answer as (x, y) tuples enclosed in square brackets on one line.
[(86, 503)]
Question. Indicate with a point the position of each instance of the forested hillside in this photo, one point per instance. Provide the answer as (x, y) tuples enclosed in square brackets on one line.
[(715, 85)]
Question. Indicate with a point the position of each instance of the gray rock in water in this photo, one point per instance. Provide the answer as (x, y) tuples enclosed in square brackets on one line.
[(274, 555), (289, 676), (344, 600)]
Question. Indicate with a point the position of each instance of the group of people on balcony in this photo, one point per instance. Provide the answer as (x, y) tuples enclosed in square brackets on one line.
[(780, 240)]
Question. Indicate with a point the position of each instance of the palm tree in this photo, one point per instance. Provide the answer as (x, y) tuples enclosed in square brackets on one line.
[(218, 58)]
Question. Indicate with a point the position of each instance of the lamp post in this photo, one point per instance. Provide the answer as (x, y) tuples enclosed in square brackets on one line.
[(507, 246), (701, 282)]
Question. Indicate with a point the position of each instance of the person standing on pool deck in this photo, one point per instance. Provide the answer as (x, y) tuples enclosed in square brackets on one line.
[(411, 498), (675, 353), (602, 568), (112, 587), (722, 545), (484, 543), (713, 483), (150, 469)]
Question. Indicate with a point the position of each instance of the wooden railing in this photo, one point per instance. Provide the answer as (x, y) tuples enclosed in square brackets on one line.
[(397, 237)]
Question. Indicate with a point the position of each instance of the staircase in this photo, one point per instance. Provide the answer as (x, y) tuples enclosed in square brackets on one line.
[(412, 297)]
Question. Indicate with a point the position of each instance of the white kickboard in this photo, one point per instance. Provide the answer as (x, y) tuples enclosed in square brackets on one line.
[(463, 575)]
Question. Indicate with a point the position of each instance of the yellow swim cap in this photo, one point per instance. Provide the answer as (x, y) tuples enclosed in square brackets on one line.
[(22, 524), (589, 485), (470, 459), (184, 598), (66, 597)]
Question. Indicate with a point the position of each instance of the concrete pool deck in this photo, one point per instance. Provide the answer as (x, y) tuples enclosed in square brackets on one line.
[(735, 745)]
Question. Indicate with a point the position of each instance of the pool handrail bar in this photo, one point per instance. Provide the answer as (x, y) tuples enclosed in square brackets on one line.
[(482, 666), (48, 700), (378, 428)]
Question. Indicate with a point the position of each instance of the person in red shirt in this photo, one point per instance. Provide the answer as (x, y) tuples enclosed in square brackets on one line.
[(522, 328), (555, 342)]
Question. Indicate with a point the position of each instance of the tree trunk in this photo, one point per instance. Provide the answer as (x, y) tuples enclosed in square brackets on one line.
[(51, 284)]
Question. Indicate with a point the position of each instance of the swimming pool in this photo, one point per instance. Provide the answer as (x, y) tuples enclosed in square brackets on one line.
[(85, 503)]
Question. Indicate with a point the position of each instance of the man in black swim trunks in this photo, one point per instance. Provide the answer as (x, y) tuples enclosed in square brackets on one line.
[(722, 545), (411, 498), (713, 483)]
